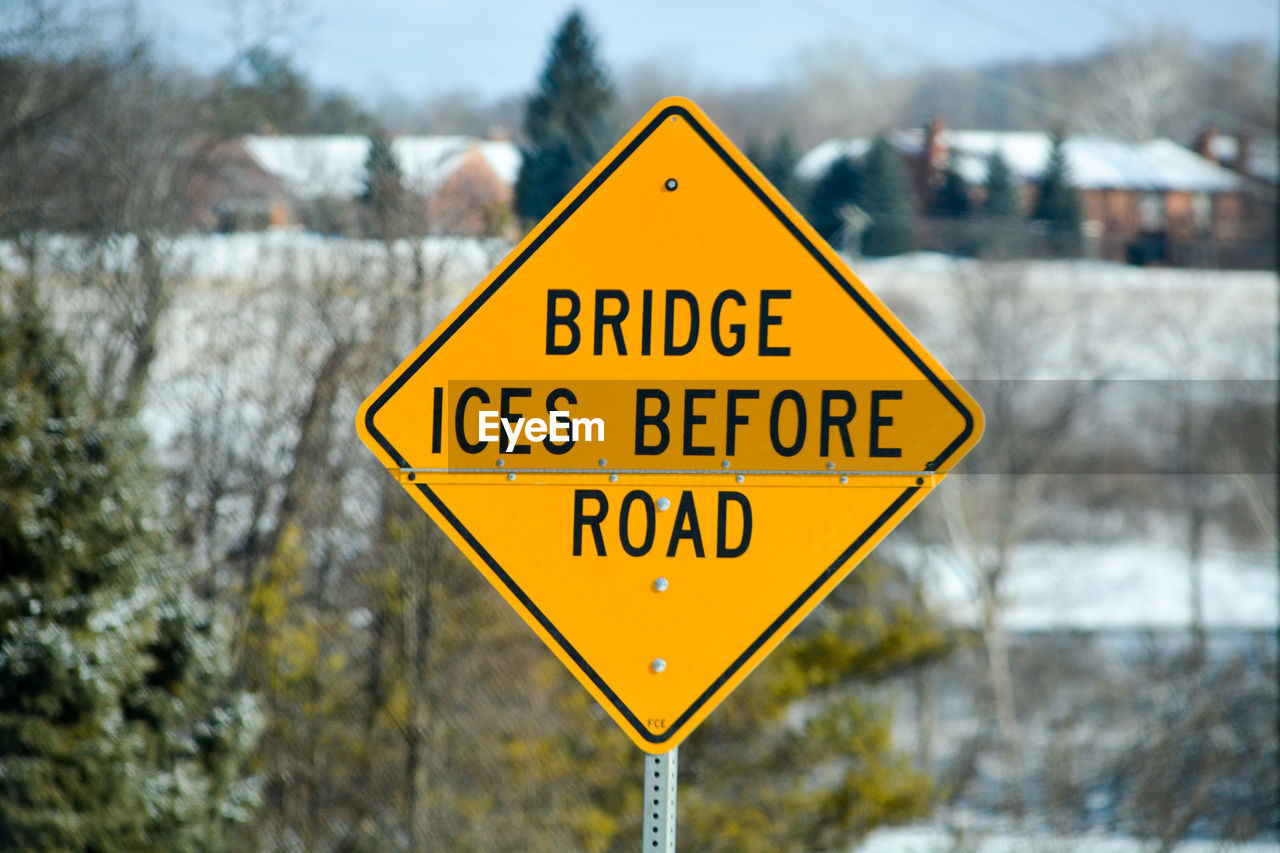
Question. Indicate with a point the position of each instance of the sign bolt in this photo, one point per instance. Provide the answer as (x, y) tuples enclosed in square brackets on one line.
[(831, 466), (843, 479), (660, 585), (671, 184), (604, 462), (740, 478), (613, 478), (724, 464), (501, 462), (663, 503), (658, 665), (511, 476)]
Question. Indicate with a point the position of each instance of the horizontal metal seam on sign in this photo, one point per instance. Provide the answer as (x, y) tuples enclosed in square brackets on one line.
[(724, 472)]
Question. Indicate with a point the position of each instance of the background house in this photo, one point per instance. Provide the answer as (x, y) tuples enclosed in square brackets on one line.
[(455, 184), (1153, 201), (231, 191)]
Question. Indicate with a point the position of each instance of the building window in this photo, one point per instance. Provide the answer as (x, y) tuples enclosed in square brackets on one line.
[(1202, 212), (1151, 211)]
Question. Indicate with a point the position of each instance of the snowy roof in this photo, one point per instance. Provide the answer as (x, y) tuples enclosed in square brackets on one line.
[(1095, 162), (811, 166), (316, 166)]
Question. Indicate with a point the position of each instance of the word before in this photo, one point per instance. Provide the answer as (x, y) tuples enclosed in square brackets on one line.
[(788, 421)]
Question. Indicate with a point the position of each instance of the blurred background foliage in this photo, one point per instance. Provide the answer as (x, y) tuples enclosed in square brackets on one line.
[(248, 637)]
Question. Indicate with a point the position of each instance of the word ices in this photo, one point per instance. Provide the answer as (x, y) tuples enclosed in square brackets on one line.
[(612, 308), (558, 428), (637, 523)]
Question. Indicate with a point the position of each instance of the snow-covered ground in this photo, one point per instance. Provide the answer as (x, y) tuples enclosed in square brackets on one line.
[(931, 840), (1150, 334), (1133, 583), (1083, 319), (1054, 320), (272, 256)]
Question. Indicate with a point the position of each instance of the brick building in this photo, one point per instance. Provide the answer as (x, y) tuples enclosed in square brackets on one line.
[(455, 184), (1143, 202)]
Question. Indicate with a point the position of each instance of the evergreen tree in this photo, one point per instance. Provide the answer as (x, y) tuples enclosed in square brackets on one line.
[(749, 774), (1057, 204), (118, 731), (1002, 195), (264, 93), (1003, 235), (779, 166), (338, 112), (873, 627), (886, 197), (564, 121), (838, 186), (383, 196), (952, 198)]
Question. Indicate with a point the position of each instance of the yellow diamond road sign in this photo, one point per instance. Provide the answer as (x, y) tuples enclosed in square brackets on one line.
[(668, 424)]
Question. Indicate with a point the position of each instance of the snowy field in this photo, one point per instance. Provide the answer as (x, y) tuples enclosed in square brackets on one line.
[(1090, 319), (928, 840), (242, 294), (1149, 334), (1100, 560), (1133, 584)]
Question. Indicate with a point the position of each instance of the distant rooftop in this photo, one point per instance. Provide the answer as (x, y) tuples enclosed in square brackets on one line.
[(318, 166), (1095, 162)]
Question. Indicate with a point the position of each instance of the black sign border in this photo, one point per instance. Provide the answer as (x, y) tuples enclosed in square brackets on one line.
[(543, 235)]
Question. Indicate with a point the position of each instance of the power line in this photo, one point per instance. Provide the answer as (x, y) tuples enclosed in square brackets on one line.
[(979, 13), (1117, 17)]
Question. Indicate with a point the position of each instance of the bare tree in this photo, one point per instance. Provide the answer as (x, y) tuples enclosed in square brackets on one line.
[(1011, 332), (1141, 86)]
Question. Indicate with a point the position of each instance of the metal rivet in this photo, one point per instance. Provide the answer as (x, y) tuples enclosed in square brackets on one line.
[(501, 462), (603, 462), (660, 584), (671, 184), (613, 478), (843, 479), (919, 481), (658, 665), (412, 476), (511, 476), (831, 466), (740, 478), (724, 464), (663, 503)]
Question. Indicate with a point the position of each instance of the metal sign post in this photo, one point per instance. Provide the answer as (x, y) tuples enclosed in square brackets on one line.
[(660, 801)]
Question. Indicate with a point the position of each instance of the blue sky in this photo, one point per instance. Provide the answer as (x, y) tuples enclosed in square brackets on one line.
[(497, 46)]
